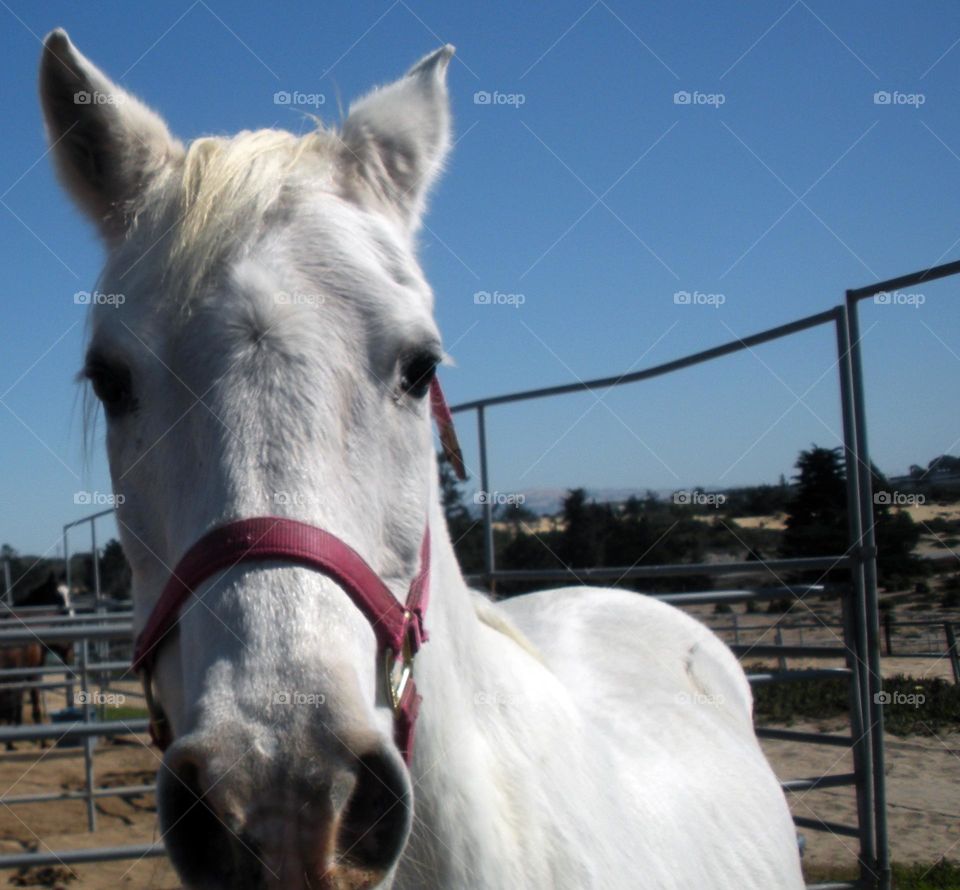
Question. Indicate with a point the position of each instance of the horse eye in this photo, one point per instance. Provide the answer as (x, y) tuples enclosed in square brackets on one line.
[(111, 384), (417, 373)]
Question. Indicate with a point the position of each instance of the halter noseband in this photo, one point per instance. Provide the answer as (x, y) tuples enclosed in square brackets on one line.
[(398, 627)]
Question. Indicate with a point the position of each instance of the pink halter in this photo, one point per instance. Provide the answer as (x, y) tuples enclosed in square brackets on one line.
[(398, 627)]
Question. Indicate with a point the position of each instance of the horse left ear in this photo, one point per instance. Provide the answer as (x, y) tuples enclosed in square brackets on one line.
[(105, 143), (396, 138)]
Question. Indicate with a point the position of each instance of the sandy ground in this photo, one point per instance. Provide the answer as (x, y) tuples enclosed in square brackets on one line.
[(926, 512), (63, 825), (923, 775)]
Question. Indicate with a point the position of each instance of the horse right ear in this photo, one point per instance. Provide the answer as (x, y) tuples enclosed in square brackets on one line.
[(396, 138), (105, 143)]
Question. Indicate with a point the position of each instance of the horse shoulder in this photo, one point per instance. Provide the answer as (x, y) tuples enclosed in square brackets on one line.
[(669, 706), (629, 648)]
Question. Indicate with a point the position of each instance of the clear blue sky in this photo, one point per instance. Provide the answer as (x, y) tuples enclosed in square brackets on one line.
[(596, 199)]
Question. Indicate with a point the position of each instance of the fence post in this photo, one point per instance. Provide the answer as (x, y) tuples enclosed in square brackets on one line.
[(855, 616), (88, 741), (888, 630), (867, 555), (96, 564), (66, 560), (489, 560), (781, 660), (952, 650)]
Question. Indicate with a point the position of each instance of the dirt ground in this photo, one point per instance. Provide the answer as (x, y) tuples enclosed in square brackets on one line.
[(63, 825), (923, 775)]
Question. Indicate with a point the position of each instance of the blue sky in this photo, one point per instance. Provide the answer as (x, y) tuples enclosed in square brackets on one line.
[(585, 189)]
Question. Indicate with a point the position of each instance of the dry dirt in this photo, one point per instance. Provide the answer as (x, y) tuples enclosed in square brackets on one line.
[(923, 775), (63, 825)]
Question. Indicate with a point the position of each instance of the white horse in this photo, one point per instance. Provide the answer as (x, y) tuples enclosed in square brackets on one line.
[(277, 338)]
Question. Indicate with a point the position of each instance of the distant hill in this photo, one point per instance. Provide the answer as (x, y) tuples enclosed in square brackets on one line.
[(549, 501)]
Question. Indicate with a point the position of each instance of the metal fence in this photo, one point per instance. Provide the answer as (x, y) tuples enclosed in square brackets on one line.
[(84, 631), (933, 639), (859, 648), (859, 602)]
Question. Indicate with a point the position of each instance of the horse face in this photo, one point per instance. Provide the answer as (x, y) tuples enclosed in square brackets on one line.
[(264, 346)]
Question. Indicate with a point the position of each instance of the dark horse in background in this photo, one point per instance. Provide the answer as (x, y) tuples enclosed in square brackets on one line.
[(23, 656)]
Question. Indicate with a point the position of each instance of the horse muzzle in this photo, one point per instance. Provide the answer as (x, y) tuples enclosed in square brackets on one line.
[(233, 819)]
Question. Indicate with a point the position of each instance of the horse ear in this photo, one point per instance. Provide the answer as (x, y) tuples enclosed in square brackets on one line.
[(105, 143), (397, 137)]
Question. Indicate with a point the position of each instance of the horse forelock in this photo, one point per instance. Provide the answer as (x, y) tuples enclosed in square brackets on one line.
[(222, 194)]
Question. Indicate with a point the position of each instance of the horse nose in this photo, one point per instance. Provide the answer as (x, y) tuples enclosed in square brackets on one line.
[(232, 819)]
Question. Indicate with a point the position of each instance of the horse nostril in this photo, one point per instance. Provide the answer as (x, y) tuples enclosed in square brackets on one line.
[(203, 848), (375, 823)]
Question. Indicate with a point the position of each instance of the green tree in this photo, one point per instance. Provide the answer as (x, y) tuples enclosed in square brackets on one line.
[(466, 532), (944, 465), (114, 571), (817, 523), (585, 527)]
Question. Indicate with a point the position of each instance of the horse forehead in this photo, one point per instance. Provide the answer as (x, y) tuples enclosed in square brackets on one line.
[(317, 300), (332, 239), (321, 245)]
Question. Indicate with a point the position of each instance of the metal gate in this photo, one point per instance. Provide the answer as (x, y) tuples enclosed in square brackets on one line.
[(858, 599)]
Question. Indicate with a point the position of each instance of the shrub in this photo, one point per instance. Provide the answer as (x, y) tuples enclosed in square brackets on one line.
[(917, 706)]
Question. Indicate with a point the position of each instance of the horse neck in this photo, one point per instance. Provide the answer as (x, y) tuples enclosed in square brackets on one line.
[(471, 769), (455, 633), (450, 615)]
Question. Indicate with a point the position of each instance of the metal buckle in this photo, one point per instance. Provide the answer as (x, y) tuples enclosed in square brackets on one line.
[(160, 730), (399, 670)]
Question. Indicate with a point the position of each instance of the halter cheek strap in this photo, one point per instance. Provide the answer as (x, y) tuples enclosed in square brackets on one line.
[(398, 627)]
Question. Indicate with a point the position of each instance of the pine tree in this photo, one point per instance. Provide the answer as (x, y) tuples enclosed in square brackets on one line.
[(817, 524)]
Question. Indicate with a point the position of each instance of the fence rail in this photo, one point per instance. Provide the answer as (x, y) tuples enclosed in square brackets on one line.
[(949, 652)]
